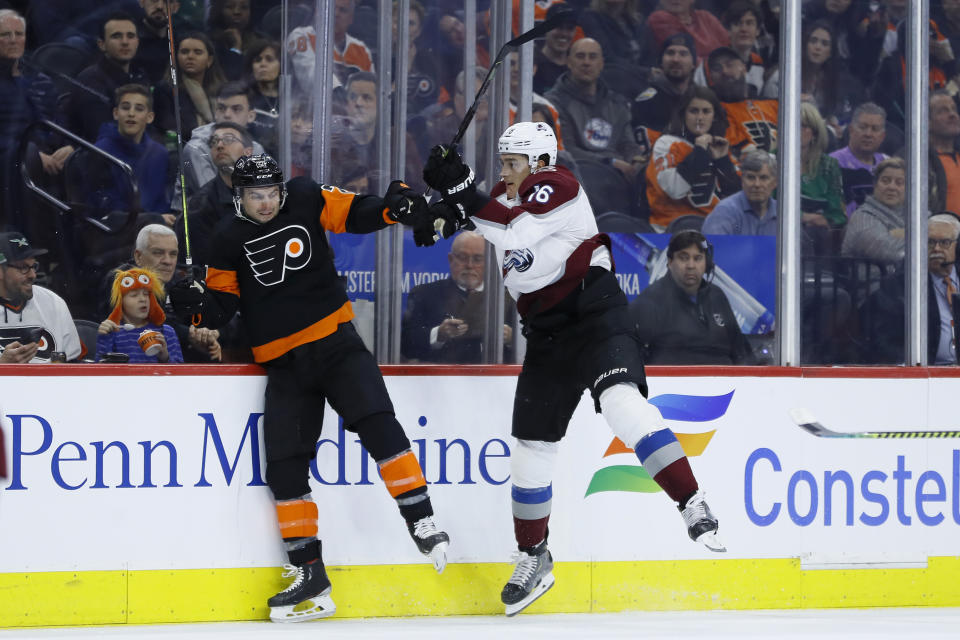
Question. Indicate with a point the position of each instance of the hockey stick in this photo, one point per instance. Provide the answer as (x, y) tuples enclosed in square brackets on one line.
[(176, 116), (525, 37), (806, 421)]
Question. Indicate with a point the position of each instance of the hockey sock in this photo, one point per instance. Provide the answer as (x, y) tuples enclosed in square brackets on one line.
[(405, 482), (663, 458), (298, 527), (531, 467)]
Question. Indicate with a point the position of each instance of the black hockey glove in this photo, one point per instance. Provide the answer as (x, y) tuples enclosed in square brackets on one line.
[(448, 218), (424, 235), (187, 297), (404, 205), (448, 174)]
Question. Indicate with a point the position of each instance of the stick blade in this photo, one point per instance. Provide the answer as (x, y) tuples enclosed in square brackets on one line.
[(806, 421)]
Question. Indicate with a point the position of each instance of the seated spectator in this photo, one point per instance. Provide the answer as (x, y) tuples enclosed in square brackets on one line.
[(625, 41), (858, 34), (884, 313), (823, 77), (536, 98), (136, 310), (125, 139), (233, 104), (153, 53), (349, 54), (88, 110), (683, 318), (945, 14), (654, 106), (876, 228), (35, 322), (229, 28), (753, 121), (752, 211), (821, 187), (423, 73), (550, 60), (743, 20), (595, 119), (861, 155), (444, 320), (691, 169), (263, 74), (944, 152), (444, 118), (200, 79), (214, 201), (679, 15)]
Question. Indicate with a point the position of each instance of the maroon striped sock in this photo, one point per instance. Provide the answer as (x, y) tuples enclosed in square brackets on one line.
[(530, 533), (676, 479)]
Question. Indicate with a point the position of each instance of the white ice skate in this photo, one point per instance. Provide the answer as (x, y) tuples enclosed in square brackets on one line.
[(532, 578), (702, 525), (431, 541), (307, 597)]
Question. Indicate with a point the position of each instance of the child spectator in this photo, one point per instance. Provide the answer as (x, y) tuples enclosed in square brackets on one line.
[(134, 297)]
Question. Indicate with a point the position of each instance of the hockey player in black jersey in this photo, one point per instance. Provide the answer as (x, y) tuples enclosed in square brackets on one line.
[(272, 262)]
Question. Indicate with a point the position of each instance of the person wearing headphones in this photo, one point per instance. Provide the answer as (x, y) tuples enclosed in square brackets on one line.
[(683, 318)]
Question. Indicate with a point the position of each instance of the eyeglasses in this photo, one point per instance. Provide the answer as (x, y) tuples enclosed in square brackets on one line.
[(943, 243), (227, 139), (24, 269), (466, 258)]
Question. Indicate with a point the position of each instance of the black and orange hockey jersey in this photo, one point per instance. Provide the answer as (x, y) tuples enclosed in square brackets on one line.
[(752, 122), (280, 275)]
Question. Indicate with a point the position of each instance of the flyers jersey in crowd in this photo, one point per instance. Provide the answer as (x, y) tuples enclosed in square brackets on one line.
[(752, 122)]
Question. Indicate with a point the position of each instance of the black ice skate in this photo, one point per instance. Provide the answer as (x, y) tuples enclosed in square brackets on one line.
[(307, 597), (431, 542), (532, 578), (701, 523)]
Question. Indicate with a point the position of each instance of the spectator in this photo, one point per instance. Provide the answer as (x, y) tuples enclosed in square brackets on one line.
[(229, 28), (443, 120), (626, 43), (199, 77), (423, 74), (683, 318), (858, 38), (214, 201), (153, 53), (945, 14), (884, 314), (536, 98), (349, 54), (876, 228), (753, 122), (743, 20), (36, 322), (136, 310), (944, 150), (679, 15), (88, 110), (125, 139), (233, 104), (263, 72), (861, 155), (821, 187), (752, 211), (550, 60), (691, 169), (654, 106), (444, 320), (595, 119)]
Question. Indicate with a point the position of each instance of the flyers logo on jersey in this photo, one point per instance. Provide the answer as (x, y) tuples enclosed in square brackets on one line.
[(272, 255)]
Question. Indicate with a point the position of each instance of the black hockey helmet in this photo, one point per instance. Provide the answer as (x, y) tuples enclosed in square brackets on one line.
[(256, 171)]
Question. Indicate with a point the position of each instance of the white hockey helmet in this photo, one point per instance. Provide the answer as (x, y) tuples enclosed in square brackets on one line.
[(531, 139)]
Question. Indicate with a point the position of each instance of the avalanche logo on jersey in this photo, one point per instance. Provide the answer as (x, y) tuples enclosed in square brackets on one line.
[(519, 259), (598, 133), (272, 255)]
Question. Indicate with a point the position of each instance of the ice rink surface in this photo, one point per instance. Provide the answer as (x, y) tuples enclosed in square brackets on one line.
[(820, 624)]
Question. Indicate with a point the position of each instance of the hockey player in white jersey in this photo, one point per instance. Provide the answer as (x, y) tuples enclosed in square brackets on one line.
[(574, 314)]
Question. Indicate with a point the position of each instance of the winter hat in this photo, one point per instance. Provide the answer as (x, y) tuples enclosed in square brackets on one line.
[(679, 39), (130, 280)]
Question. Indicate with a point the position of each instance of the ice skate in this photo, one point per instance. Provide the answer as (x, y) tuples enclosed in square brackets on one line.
[(431, 542), (532, 578), (701, 524), (307, 597)]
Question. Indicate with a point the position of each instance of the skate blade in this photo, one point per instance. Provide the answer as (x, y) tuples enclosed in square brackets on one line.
[(320, 606), (711, 541), (438, 555), (539, 590)]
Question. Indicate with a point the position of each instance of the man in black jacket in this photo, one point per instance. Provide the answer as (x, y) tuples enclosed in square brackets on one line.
[(683, 318)]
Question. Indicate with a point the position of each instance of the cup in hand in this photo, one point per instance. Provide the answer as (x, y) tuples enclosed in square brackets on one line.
[(149, 341)]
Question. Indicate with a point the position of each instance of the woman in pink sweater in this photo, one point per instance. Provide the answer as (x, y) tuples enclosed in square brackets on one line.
[(679, 15)]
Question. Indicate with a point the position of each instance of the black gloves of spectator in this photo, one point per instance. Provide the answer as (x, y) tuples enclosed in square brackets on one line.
[(447, 173), (404, 205), (186, 297)]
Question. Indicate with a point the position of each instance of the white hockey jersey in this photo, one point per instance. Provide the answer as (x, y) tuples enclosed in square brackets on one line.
[(537, 234), (48, 312)]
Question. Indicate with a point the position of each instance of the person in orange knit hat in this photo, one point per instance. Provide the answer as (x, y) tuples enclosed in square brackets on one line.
[(136, 324)]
